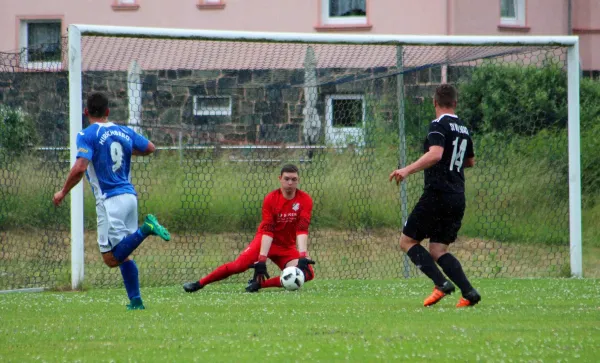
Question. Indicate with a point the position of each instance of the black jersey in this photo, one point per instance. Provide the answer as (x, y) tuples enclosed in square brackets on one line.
[(447, 175)]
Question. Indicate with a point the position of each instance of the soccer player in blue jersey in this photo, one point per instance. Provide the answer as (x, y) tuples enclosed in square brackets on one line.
[(104, 155)]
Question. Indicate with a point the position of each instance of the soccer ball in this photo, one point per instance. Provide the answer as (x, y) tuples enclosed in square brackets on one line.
[(292, 278)]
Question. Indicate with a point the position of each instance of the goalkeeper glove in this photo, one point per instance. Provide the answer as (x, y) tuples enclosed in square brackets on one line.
[(303, 263), (260, 270)]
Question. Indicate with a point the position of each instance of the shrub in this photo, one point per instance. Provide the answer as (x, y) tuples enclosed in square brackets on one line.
[(17, 131), (518, 99)]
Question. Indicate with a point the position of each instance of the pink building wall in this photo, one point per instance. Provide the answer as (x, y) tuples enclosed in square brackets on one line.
[(461, 17), (477, 17), (586, 14), (586, 24)]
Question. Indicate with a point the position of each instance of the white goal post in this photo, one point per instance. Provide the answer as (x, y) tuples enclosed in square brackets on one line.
[(76, 31)]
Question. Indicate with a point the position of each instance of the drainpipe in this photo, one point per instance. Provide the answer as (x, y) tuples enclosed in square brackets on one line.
[(449, 17), (569, 17)]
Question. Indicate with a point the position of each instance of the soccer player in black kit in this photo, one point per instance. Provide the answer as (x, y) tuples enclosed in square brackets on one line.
[(438, 214)]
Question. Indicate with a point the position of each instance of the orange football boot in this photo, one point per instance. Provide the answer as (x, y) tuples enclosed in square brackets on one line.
[(469, 299), (438, 293)]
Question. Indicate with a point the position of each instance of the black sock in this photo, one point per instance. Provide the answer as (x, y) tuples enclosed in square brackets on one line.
[(424, 262), (454, 271)]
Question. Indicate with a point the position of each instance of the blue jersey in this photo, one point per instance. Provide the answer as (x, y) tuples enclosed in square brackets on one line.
[(109, 147)]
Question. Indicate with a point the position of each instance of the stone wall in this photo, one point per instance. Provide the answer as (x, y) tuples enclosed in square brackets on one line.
[(266, 105), (45, 96)]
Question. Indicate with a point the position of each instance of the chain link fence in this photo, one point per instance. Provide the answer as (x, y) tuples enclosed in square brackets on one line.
[(227, 115)]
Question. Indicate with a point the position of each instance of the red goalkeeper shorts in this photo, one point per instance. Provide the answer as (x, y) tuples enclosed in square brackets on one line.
[(280, 255)]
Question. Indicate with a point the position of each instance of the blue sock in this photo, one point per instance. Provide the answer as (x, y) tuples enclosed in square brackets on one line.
[(129, 271), (128, 245)]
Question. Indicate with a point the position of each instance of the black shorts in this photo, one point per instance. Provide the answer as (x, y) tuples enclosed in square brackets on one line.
[(437, 216)]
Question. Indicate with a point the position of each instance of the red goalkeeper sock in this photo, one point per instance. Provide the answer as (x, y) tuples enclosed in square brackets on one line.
[(272, 282)]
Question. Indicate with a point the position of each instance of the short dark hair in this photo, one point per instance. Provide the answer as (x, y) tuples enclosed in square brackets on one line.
[(289, 168), (97, 104), (446, 95)]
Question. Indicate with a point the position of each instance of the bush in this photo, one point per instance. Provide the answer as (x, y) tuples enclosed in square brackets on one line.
[(17, 131), (590, 164), (513, 98), (530, 101), (589, 94)]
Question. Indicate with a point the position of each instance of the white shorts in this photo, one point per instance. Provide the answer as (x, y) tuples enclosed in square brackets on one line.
[(117, 218)]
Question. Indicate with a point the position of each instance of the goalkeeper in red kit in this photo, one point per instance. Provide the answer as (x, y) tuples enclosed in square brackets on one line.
[(282, 237)]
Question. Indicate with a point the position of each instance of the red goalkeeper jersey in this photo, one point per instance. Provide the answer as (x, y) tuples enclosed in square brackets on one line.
[(285, 219)]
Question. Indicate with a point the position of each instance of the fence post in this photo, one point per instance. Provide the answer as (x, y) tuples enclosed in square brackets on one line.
[(402, 146)]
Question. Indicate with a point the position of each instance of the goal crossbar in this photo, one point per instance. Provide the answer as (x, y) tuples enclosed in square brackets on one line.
[(316, 38)]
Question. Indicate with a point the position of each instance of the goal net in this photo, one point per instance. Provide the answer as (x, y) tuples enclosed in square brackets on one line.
[(228, 110)]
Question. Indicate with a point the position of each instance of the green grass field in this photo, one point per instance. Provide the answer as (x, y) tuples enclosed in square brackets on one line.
[(518, 320)]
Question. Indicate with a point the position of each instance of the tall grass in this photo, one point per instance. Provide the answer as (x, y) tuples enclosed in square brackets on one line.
[(518, 191)]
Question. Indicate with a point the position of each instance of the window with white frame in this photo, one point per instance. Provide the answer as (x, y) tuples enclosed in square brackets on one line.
[(41, 42), (512, 12), (346, 111), (344, 12), (212, 105), (345, 117)]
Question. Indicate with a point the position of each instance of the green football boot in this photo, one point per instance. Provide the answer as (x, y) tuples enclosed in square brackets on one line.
[(136, 304), (151, 226)]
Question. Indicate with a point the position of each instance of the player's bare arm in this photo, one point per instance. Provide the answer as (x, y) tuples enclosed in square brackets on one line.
[(267, 226), (265, 245), (149, 150), (302, 229), (74, 177), (305, 260), (469, 163), (302, 243), (302, 240), (260, 266), (430, 158), (302, 246)]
